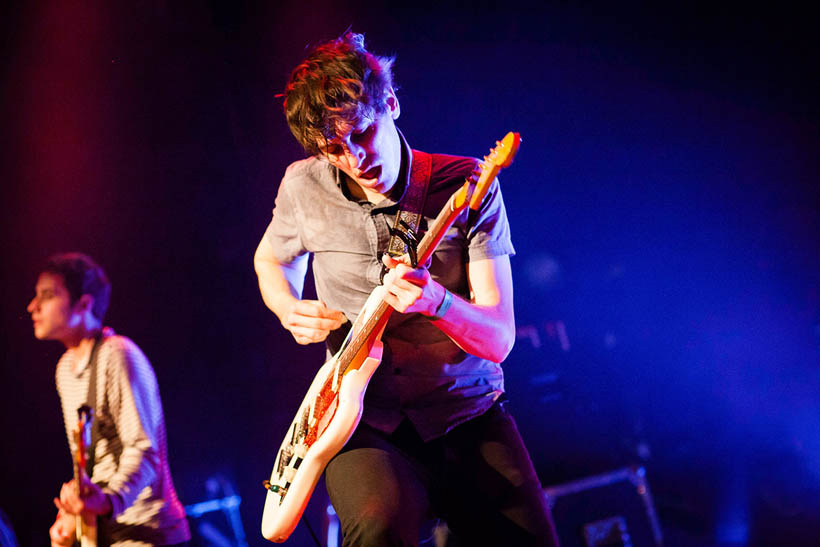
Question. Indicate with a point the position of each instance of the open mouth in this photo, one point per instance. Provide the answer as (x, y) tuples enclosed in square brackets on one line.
[(371, 173)]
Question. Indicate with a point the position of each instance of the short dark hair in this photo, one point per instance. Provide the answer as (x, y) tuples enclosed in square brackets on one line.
[(82, 275), (339, 82)]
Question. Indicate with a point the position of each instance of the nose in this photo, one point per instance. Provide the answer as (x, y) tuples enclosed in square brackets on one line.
[(32, 305), (355, 154)]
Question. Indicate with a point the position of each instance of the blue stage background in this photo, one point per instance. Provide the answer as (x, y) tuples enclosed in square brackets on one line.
[(663, 204)]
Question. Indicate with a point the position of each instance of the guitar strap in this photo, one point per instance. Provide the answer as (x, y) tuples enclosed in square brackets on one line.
[(404, 234), (91, 401)]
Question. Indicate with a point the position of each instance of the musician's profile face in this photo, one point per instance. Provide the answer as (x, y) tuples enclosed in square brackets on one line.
[(52, 313), (369, 151)]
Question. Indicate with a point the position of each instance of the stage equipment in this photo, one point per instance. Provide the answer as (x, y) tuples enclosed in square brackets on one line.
[(216, 522), (613, 509)]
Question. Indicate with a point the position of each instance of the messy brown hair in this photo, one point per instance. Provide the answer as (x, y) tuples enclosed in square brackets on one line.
[(339, 83)]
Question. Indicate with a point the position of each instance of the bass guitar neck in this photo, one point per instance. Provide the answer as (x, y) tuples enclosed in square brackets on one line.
[(85, 524)]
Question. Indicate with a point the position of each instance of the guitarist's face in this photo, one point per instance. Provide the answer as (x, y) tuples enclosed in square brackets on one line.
[(52, 313), (369, 152)]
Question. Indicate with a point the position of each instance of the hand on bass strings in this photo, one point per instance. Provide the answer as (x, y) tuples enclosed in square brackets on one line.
[(311, 321), (62, 532), (409, 289), (92, 500)]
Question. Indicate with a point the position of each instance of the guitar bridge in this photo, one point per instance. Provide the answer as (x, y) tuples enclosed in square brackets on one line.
[(275, 488)]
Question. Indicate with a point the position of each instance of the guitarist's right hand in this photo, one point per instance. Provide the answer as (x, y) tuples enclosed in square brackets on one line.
[(311, 321), (62, 532), (92, 501)]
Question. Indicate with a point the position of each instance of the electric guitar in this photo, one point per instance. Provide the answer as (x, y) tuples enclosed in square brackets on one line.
[(332, 408), (85, 525)]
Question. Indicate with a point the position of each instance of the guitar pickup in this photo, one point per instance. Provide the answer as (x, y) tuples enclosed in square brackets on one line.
[(303, 423), (285, 456)]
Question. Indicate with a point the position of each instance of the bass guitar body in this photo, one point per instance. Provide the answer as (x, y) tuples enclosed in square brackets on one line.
[(327, 417)]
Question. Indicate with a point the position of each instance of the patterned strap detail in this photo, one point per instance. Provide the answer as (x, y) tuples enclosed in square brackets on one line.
[(412, 205), (91, 402)]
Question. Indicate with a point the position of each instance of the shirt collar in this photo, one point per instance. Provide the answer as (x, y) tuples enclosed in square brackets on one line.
[(86, 359)]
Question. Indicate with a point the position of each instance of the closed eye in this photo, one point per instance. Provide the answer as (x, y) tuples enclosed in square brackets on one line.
[(360, 135), (335, 150)]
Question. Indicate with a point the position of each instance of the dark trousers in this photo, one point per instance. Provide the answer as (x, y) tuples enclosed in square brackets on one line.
[(479, 478)]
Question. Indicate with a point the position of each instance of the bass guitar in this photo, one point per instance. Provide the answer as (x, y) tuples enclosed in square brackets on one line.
[(332, 408)]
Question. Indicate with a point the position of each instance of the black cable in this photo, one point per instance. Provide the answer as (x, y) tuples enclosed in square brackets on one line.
[(312, 533)]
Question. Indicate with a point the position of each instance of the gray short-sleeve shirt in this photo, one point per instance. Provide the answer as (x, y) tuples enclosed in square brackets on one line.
[(423, 376)]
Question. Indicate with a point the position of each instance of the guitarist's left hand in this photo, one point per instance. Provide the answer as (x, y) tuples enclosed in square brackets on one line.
[(93, 500), (409, 289)]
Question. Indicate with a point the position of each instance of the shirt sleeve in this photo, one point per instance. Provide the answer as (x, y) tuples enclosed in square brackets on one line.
[(135, 408), (283, 231), (488, 229)]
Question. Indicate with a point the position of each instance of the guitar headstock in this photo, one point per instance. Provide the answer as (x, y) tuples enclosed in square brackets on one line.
[(499, 157), (505, 149)]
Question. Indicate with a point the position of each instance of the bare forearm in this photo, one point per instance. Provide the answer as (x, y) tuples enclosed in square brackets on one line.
[(279, 284), (484, 331), (483, 326)]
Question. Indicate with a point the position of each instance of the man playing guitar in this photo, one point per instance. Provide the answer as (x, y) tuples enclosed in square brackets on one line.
[(130, 492), (435, 438)]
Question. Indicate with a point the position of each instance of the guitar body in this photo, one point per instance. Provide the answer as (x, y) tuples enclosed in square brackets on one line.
[(332, 408), (300, 463)]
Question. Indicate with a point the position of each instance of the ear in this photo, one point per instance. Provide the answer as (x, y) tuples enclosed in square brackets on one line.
[(393, 104), (85, 303)]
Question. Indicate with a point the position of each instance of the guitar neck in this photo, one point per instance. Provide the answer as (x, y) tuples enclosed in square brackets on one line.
[(79, 455), (78, 480)]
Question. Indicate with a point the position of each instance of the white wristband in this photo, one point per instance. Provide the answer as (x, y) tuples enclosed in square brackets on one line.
[(443, 307)]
